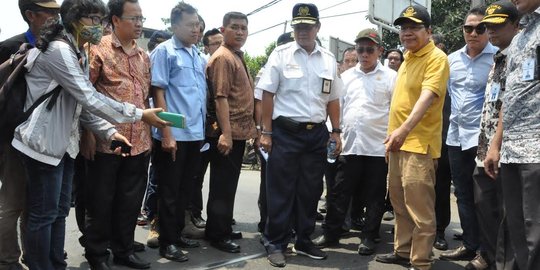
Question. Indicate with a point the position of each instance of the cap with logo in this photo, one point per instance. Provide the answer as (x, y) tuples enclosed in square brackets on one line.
[(370, 34), (414, 13), (500, 12), (305, 13), (285, 38), (41, 3)]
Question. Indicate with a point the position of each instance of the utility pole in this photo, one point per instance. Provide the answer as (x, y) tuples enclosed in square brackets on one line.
[(475, 3)]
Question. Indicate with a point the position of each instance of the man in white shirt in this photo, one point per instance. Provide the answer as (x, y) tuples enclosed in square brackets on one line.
[(365, 105)]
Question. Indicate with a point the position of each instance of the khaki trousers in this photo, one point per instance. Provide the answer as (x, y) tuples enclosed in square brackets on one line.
[(411, 181), (12, 203)]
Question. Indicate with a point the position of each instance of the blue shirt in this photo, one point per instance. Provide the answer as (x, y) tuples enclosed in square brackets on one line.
[(181, 74), (466, 86)]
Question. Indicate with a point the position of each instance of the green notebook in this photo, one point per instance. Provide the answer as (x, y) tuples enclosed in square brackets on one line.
[(176, 119)]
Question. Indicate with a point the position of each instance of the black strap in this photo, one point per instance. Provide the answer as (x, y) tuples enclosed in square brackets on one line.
[(55, 92)]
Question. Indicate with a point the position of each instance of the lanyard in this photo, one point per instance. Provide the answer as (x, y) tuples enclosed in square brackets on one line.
[(30, 37)]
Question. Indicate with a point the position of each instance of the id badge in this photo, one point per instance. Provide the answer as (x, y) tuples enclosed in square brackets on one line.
[(494, 92), (326, 86), (527, 70)]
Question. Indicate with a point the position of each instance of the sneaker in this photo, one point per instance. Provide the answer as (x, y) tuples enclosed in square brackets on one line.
[(478, 263), (388, 215), (310, 251), (142, 220), (153, 235), (277, 259)]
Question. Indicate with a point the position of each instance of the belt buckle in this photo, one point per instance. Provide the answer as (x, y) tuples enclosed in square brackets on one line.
[(309, 126)]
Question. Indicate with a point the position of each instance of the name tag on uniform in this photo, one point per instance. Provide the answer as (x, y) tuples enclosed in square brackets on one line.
[(527, 69), (494, 92), (326, 86)]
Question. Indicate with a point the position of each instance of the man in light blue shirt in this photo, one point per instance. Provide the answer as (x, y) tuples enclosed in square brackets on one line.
[(179, 86), (469, 69)]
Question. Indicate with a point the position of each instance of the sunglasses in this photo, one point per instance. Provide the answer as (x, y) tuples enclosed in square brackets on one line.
[(479, 29), (361, 50)]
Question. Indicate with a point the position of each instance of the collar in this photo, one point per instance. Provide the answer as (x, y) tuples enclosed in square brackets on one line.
[(424, 50), (116, 42), (298, 47), (488, 49), (179, 45), (377, 68), (30, 37), (238, 52)]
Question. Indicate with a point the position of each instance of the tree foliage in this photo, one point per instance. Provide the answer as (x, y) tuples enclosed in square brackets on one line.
[(447, 18), (255, 63)]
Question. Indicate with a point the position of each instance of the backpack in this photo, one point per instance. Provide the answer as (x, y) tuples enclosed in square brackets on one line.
[(13, 89)]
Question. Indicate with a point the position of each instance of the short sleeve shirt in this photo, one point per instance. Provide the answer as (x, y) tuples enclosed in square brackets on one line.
[(365, 106), (521, 101), (228, 77), (426, 69), (303, 83)]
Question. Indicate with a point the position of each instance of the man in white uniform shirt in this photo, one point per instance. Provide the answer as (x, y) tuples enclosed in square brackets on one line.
[(366, 103), (301, 87)]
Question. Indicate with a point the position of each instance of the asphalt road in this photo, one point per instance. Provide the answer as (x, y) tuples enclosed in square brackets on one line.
[(253, 254)]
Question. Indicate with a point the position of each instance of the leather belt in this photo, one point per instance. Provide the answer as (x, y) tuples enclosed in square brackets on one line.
[(294, 126)]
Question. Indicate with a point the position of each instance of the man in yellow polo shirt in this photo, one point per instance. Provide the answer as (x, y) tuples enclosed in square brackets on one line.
[(414, 140)]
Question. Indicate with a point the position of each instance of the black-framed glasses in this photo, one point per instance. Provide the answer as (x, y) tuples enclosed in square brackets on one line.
[(134, 19), (368, 49), (479, 29), (97, 20)]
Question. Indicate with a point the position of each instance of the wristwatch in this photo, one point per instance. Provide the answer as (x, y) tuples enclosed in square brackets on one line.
[(336, 130)]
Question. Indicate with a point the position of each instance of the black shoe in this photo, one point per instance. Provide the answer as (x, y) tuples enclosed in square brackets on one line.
[(226, 245), (393, 258), (198, 221), (171, 252), (187, 243), (440, 242), (325, 241), (138, 246), (366, 247), (236, 235), (458, 236), (277, 259), (319, 217), (459, 254), (310, 251), (233, 221), (132, 261), (99, 265)]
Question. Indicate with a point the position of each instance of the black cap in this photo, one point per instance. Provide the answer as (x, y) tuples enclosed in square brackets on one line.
[(285, 38), (500, 12), (305, 13), (159, 36), (414, 13)]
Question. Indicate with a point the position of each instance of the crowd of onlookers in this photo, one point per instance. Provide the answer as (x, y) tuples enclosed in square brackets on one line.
[(388, 129)]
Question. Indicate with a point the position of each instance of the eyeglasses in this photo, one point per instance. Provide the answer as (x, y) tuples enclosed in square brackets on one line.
[(480, 29), (413, 28), (97, 20), (134, 19), (361, 50)]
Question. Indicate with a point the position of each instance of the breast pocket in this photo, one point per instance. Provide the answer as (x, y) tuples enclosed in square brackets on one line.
[(379, 94), (182, 75), (293, 78)]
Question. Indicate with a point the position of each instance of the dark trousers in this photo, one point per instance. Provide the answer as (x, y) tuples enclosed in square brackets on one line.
[(352, 171), (174, 180), (521, 193), (330, 177), (113, 200), (48, 202), (80, 178), (224, 175), (263, 209), (442, 191), (294, 184), (488, 201), (196, 199), (462, 165)]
